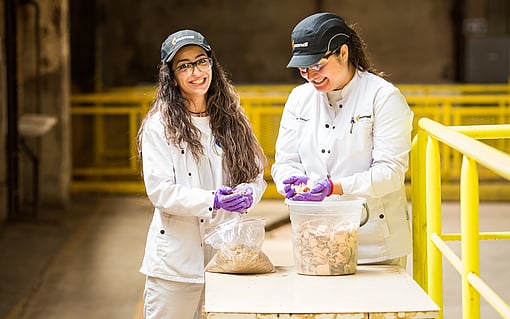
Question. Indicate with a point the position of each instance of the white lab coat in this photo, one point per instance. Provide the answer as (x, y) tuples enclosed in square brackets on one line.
[(183, 207), (362, 142)]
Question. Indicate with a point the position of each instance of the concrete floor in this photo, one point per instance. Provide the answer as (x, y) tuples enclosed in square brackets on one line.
[(78, 263), (83, 262)]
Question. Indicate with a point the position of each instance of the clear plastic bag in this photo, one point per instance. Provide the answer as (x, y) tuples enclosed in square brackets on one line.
[(238, 244)]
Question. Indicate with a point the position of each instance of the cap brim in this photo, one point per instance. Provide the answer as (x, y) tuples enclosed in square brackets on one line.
[(304, 60), (183, 44)]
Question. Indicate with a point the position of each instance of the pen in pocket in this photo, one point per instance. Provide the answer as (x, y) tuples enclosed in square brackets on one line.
[(358, 117)]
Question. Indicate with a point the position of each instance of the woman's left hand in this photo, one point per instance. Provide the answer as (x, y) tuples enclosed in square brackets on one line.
[(247, 192)]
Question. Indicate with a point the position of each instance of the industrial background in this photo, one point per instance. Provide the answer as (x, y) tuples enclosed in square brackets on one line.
[(52, 50)]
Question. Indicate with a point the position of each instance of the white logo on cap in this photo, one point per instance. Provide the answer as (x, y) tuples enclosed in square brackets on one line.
[(175, 40), (301, 45)]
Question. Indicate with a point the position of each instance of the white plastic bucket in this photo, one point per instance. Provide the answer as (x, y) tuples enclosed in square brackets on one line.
[(325, 234)]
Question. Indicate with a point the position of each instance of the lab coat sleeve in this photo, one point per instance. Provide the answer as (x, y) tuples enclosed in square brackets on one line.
[(287, 161), (391, 146), (161, 185)]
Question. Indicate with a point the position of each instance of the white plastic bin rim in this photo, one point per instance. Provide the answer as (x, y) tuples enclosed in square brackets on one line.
[(335, 200)]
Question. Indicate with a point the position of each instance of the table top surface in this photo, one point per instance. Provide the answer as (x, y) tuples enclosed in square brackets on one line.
[(372, 289)]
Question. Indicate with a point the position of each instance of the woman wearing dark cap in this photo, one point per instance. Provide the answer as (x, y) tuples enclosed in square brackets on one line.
[(201, 161), (346, 131)]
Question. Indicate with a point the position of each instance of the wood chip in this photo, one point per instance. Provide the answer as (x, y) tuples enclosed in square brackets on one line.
[(325, 250)]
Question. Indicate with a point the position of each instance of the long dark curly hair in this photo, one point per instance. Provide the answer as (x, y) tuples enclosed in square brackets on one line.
[(243, 157)]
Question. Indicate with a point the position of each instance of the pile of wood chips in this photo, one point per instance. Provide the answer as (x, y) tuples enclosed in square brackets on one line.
[(325, 249), (240, 259)]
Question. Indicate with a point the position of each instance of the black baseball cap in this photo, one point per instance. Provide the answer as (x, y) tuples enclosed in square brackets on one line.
[(315, 36), (177, 40)]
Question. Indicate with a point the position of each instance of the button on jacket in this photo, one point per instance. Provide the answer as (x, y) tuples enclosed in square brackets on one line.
[(363, 142), (183, 206)]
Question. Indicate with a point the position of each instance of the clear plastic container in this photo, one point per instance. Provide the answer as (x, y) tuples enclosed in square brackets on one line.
[(325, 235)]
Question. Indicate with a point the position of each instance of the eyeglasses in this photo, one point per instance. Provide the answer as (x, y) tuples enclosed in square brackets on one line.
[(319, 65), (203, 64)]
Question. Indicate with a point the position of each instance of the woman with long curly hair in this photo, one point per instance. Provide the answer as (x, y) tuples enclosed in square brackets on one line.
[(200, 161)]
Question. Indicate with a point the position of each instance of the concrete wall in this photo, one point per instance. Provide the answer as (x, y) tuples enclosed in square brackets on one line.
[(43, 84), (55, 96), (410, 39), (3, 124)]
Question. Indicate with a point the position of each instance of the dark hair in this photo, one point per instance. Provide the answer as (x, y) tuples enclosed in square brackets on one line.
[(243, 157), (358, 53)]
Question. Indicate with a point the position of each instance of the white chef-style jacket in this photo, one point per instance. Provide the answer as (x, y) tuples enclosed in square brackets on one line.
[(363, 142), (182, 193)]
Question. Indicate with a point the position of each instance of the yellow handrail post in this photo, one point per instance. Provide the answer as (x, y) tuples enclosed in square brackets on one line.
[(469, 207), (447, 153), (99, 136), (433, 209), (419, 223), (133, 131)]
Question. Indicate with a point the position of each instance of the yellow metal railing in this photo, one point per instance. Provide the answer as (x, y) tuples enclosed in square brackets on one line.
[(454, 89), (104, 135), (429, 244), (407, 89), (113, 166), (105, 124)]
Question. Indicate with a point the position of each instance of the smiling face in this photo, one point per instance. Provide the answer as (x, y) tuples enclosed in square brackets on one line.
[(334, 75), (193, 83)]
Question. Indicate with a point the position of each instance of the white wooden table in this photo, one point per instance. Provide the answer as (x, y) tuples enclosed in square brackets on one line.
[(383, 292)]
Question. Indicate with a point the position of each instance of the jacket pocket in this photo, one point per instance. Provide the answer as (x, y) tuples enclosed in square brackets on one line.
[(372, 236), (361, 131), (178, 234)]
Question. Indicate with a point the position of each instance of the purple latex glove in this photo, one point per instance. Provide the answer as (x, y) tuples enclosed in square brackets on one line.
[(293, 181), (308, 197), (228, 200), (324, 187), (318, 192), (247, 192)]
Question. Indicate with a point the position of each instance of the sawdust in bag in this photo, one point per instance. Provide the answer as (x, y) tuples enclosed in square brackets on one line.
[(238, 244)]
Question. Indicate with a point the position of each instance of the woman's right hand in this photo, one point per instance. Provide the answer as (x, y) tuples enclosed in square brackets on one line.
[(292, 181)]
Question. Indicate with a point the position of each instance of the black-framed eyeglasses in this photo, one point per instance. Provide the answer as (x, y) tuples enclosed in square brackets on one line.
[(319, 65), (203, 64)]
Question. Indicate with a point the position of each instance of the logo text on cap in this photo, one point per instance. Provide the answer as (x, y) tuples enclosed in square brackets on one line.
[(301, 45), (175, 40)]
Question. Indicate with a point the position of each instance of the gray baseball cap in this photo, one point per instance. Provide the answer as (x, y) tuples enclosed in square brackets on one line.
[(175, 41)]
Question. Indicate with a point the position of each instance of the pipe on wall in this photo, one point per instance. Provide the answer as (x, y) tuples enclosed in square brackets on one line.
[(37, 36), (12, 110)]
